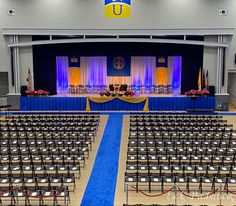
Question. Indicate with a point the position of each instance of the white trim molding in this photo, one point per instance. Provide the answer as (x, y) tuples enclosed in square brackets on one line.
[(84, 40), (157, 32)]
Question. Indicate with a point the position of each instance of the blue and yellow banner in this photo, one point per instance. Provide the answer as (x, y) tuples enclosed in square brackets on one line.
[(117, 8), (74, 61), (162, 61), (161, 70), (118, 66), (74, 71)]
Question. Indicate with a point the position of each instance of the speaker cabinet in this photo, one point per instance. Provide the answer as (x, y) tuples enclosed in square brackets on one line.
[(211, 90), (23, 88)]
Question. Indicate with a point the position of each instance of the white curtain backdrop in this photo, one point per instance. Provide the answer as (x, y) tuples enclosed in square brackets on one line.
[(93, 70), (62, 66), (174, 73), (142, 70), (119, 80)]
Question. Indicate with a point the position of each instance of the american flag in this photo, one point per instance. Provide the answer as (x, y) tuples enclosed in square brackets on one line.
[(29, 80)]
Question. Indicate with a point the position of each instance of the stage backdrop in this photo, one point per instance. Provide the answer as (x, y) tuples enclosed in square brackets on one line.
[(142, 70)]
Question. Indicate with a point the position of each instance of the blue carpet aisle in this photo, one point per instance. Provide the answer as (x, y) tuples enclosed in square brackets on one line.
[(101, 187)]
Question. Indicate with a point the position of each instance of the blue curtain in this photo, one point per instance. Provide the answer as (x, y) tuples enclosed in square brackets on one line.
[(62, 64)]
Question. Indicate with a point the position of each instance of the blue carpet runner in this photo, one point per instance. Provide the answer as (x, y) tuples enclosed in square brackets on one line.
[(100, 190)]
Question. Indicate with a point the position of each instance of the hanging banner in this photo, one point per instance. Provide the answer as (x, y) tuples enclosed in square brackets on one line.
[(74, 71), (161, 70), (74, 61), (117, 8), (162, 61), (118, 66)]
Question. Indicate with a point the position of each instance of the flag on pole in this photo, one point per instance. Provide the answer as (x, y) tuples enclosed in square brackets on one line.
[(199, 79), (203, 79), (206, 80), (29, 80)]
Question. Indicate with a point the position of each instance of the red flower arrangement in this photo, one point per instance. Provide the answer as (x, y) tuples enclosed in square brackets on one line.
[(37, 92), (129, 93), (117, 93), (193, 92)]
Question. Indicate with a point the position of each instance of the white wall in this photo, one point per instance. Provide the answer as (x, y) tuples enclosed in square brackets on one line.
[(89, 14), (232, 87), (149, 14), (210, 60)]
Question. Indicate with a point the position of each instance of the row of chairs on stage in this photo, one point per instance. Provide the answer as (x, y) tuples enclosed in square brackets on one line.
[(140, 89), (164, 155), (44, 150)]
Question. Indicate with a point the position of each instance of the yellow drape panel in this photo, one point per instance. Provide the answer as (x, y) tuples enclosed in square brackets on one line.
[(74, 76), (161, 75), (125, 99)]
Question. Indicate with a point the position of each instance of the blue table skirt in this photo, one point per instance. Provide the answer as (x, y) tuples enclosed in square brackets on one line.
[(181, 103), (79, 104), (116, 104), (52, 103)]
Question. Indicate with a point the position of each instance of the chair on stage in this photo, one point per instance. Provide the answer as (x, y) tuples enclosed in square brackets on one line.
[(148, 89), (137, 89), (155, 89), (169, 89), (81, 89), (123, 87), (102, 88), (111, 87), (88, 89), (96, 89), (160, 89), (73, 89)]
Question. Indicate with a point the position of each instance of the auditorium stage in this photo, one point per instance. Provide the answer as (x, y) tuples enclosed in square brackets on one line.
[(93, 102)]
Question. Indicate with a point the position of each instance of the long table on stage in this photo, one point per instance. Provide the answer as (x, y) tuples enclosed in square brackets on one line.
[(170, 103)]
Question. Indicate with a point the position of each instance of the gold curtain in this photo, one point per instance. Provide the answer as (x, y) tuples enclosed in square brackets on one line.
[(161, 75), (125, 99), (74, 76)]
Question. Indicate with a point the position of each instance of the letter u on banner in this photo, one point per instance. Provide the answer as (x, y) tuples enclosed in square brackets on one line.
[(117, 8)]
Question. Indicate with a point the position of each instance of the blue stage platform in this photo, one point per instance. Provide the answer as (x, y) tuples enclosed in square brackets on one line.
[(181, 103)]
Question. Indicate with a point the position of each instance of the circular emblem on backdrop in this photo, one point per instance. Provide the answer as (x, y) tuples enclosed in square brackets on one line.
[(118, 63)]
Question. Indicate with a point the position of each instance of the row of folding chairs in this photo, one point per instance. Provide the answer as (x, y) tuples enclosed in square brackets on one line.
[(44, 150), (196, 146), (52, 128), (34, 195), (188, 152), (189, 136), (47, 133), (47, 152), (156, 121), (37, 180), (155, 182), (53, 115), (197, 168), (41, 169), (45, 158), (212, 133), (44, 142)]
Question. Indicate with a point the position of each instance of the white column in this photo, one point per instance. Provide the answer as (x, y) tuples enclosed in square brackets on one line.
[(219, 69), (16, 65)]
